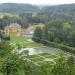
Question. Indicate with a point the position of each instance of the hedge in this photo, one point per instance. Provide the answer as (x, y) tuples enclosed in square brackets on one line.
[(60, 46)]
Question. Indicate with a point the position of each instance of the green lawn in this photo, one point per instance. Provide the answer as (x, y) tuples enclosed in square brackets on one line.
[(37, 25), (23, 41)]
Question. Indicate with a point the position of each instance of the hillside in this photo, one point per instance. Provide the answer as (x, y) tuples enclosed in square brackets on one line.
[(17, 8), (59, 8), (66, 12), (21, 8)]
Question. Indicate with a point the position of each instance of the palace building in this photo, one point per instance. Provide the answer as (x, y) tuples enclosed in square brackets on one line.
[(13, 29)]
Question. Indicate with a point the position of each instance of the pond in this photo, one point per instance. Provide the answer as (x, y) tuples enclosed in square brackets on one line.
[(33, 51)]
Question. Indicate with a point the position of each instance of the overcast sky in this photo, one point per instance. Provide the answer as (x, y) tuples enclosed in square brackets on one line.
[(43, 2)]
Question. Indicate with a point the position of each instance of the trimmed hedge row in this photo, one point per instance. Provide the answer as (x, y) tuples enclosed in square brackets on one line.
[(60, 46)]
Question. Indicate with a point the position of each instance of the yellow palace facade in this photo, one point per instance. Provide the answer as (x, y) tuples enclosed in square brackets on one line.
[(13, 29)]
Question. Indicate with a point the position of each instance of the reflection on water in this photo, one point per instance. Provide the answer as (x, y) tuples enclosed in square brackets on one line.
[(33, 51)]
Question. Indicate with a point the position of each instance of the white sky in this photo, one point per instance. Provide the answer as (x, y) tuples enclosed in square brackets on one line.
[(43, 2)]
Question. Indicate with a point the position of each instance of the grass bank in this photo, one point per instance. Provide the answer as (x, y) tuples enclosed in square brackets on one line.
[(24, 41)]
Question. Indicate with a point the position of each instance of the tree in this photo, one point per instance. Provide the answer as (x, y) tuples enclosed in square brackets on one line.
[(13, 66), (45, 33), (37, 36)]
